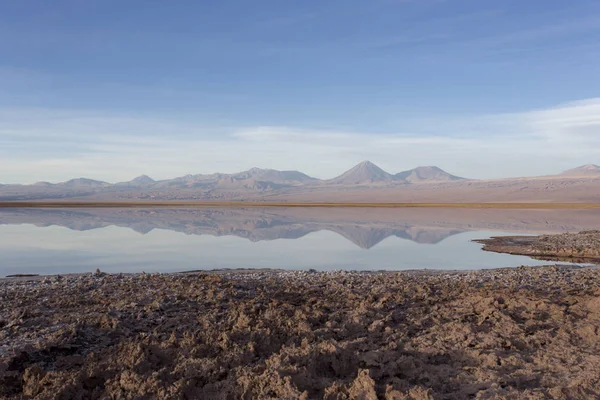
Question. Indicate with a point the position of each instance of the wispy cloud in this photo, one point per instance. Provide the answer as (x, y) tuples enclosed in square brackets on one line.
[(576, 123), (38, 144)]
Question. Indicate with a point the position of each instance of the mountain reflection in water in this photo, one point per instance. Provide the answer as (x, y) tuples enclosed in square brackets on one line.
[(363, 227), (427, 238)]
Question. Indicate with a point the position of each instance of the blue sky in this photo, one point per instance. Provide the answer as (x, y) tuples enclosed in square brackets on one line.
[(112, 89)]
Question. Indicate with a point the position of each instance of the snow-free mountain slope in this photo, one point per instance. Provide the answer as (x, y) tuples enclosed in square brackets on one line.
[(83, 183), (584, 170), (250, 179), (272, 175), (142, 180), (364, 172), (427, 174)]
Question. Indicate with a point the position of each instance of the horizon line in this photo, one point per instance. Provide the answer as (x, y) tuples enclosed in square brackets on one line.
[(258, 204)]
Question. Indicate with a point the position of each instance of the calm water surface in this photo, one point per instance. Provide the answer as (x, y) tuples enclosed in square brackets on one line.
[(46, 241)]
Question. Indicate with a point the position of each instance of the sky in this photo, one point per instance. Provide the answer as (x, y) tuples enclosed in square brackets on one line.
[(111, 90)]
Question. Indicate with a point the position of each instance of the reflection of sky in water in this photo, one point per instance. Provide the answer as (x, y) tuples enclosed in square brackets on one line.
[(48, 250)]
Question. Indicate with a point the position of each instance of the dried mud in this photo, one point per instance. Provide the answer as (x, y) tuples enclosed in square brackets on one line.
[(529, 333), (579, 247)]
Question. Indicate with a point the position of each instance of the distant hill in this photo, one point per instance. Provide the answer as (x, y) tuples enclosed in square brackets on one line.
[(584, 170), (142, 180), (83, 183), (367, 172), (427, 174), (254, 178), (272, 175), (364, 172)]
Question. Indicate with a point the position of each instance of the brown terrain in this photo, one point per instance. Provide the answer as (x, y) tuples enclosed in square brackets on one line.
[(364, 183), (525, 333), (580, 246)]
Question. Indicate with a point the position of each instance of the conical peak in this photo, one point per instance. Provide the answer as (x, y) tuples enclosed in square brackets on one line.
[(143, 177), (366, 163), (430, 173), (364, 172)]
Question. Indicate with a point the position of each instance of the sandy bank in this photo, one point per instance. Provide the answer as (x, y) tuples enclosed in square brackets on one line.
[(581, 247)]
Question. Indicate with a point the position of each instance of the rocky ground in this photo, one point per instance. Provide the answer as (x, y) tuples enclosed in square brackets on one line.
[(516, 333), (581, 247)]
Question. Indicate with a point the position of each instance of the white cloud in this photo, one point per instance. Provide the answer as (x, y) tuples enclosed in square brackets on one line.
[(58, 145), (576, 123)]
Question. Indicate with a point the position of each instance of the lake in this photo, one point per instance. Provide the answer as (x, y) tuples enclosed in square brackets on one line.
[(60, 241)]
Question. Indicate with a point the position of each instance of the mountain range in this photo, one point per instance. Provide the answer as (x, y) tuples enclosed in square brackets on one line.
[(365, 182), (363, 173)]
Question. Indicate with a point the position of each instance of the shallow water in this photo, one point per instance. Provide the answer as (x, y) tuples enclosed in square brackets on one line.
[(50, 241)]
